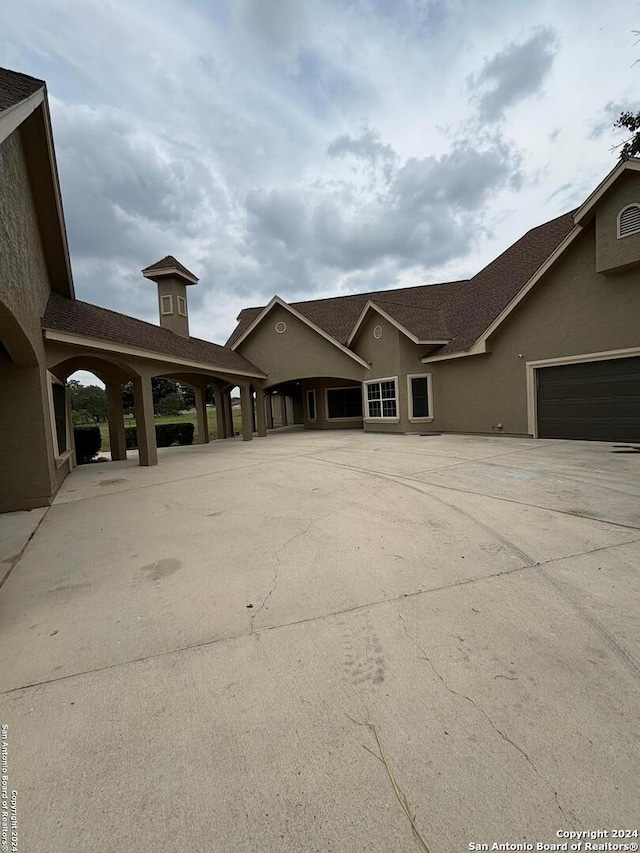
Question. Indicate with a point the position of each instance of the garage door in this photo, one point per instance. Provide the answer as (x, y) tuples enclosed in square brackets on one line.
[(596, 400)]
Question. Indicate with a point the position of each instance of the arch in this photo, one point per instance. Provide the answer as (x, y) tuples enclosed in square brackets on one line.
[(14, 339), (629, 220), (107, 368)]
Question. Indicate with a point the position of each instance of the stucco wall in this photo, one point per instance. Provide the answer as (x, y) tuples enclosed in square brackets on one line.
[(613, 253), (30, 474), (299, 353), (573, 311)]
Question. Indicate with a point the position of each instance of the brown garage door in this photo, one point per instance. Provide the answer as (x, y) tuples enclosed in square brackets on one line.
[(596, 400)]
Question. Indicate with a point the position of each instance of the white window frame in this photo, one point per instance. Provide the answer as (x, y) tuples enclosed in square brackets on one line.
[(163, 311), (326, 403), (182, 306), (429, 378), (625, 208), (60, 458), (365, 401), (315, 404)]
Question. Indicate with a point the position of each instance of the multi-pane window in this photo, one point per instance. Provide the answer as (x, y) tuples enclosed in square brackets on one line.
[(311, 405), (344, 402), (382, 399)]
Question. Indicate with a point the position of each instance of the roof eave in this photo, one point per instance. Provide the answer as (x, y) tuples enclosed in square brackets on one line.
[(371, 305), (585, 209)]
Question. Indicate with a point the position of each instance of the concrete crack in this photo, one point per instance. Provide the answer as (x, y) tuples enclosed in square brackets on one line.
[(481, 711)]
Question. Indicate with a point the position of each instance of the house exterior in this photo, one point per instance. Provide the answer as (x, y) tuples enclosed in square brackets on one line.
[(543, 342), (46, 334)]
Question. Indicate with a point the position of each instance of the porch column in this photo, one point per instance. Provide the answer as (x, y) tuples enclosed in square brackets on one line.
[(229, 410), (201, 415), (72, 437), (260, 412), (115, 416), (219, 402), (247, 412), (145, 425), (269, 409)]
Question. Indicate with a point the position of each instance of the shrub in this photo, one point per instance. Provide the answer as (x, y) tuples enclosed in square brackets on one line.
[(88, 442), (172, 404), (166, 435)]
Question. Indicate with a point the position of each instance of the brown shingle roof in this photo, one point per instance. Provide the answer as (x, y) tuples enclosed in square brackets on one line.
[(169, 262), (81, 318), (338, 315), (16, 87), (459, 310)]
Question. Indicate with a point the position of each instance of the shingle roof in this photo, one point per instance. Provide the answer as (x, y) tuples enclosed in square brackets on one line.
[(338, 315), (16, 87), (459, 310), (81, 318), (169, 262)]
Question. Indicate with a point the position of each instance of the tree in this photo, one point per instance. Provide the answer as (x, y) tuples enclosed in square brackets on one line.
[(631, 122), (160, 388), (171, 404), (89, 403)]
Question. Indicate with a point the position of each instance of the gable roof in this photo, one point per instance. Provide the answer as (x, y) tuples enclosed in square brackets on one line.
[(16, 87), (84, 320), (169, 266), (338, 315), (276, 301), (23, 105), (457, 312)]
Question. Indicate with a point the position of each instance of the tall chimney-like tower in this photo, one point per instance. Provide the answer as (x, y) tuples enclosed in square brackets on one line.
[(172, 280)]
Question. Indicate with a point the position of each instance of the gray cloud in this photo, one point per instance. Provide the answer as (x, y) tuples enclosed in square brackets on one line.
[(513, 74)]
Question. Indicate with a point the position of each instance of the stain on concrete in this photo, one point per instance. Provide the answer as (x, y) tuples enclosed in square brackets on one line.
[(161, 568), (68, 587), (114, 482), (214, 514), (363, 656)]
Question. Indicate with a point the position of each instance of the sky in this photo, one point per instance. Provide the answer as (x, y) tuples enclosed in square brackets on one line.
[(313, 148)]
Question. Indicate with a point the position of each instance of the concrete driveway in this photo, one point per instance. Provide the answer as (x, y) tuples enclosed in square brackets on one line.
[(188, 650)]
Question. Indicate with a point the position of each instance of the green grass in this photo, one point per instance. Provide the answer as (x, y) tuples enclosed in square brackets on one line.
[(182, 418)]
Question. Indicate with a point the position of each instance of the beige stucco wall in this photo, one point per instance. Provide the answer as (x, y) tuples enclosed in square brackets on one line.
[(173, 287), (573, 311), (29, 473), (299, 353), (613, 253)]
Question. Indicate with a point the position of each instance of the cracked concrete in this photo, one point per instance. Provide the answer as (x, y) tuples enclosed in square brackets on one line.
[(475, 598)]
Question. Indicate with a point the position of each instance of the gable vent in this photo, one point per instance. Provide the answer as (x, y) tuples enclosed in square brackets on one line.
[(629, 220)]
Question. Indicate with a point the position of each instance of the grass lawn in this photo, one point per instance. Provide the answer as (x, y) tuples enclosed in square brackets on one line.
[(182, 418)]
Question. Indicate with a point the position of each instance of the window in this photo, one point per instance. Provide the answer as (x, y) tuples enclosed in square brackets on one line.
[(344, 403), (629, 220), (182, 306), (166, 304), (382, 399), (59, 394), (311, 405), (420, 399)]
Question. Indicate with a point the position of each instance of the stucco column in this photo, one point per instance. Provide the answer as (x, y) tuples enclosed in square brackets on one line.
[(260, 412), (268, 409), (72, 438), (219, 403), (229, 410), (145, 424), (201, 415), (115, 415), (247, 413)]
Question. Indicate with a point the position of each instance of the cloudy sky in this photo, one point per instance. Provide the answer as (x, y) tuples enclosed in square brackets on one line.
[(317, 147)]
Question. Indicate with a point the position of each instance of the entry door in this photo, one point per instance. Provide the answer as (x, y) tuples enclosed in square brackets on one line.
[(595, 400)]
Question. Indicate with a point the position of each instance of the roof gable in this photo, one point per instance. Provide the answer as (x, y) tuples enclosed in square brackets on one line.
[(260, 316)]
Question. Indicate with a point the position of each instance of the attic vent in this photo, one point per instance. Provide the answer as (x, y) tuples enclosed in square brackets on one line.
[(377, 332), (629, 220), (281, 327)]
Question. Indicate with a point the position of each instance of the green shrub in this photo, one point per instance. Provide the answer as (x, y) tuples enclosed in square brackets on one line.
[(172, 404), (166, 435), (88, 442)]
